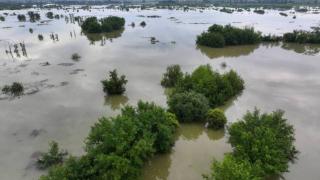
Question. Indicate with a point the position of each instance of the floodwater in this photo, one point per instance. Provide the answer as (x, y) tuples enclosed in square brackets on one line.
[(64, 97)]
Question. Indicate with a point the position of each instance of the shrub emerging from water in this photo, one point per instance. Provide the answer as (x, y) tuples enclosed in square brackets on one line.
[(2, 18), (218, 36), (49, 15), (53, 157), (108, 24), (312, 37), (188, 106), (21, 17), (171, 76), (217, 88), (143, 24), (263, 145), (16, 89), (117, 148), (75, 56), (114, 85), (216, 118), (33, 16)]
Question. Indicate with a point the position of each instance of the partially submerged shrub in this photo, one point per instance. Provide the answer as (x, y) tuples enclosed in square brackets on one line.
[(53, 157), (263, 146), (49, 15), (75, 56), (216, 118), (188, 106), (21, 17), (171, 76), (16, 89), (217, 88), (40, 37), (117, 148), (108, 24), (312, 37), (143, 24), (115, 84), (218, 36), (2, 18)]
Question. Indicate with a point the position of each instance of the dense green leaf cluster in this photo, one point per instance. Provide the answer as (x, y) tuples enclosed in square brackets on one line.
[(217, 88), (53, 157), (171, 76), (118, 147), (189, 106), (21, 17), (263, 145), (216, 118), (218, 36), (33, 16), (49, 15), (108, 24), (2, 18), (15, 89), (114, 85), (312, 37)]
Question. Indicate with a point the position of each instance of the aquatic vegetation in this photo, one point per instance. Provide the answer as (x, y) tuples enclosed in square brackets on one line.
[(108, 24), (53, 157), (226, 10), (31, 30), (171, 76), (218, 36), (283, 14), (216, 118), (40, 37), (114, 85), (312, 37), (143, 24), (188, 106), (2, 18), (263, 145), (21, 17), (217, 88), (259, 11), (33, 16), (75, 56), (271, 38), (118, 147), (16, 89), (49, 15)]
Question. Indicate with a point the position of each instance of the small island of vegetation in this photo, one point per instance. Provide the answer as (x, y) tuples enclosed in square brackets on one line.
[(219, 36), (108, 24), (114, 85)]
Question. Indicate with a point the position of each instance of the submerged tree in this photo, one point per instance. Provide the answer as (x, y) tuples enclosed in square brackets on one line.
[(53, 157), (172, 76), (115, 84), (21, 17), (216, 118), (16, 89), (108, 24)]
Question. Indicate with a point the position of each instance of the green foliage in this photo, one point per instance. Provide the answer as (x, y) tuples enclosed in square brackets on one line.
[(21, 17), (312, 37), (217, 88), (143, 24), (75, 56), (16, 89), (171, 76), (211, 39), (218, 36), (33, 16), (259, 11), (265, 139), (271, 38), (108, 24), (188, 106), (263, 145), (2, 18), (216, 118), (49, 15), (232, 168), (114, 85), (118, 147), (53, 157)]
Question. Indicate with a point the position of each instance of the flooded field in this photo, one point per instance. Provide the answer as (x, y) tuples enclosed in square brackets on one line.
[(64, 97)]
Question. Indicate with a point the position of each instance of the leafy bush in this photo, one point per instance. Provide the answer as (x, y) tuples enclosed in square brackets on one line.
[(312, 37), (34, 16), (114, 85), (143, 24), (217, 88), (108, 24), (118, 147), (188, 106), (218, 36), (49, 15), (211, 40), (2, 18), (16, 89), (171, 76), (53, 157), (216, 118), (21, 17), (75, 56), (263, 145)]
